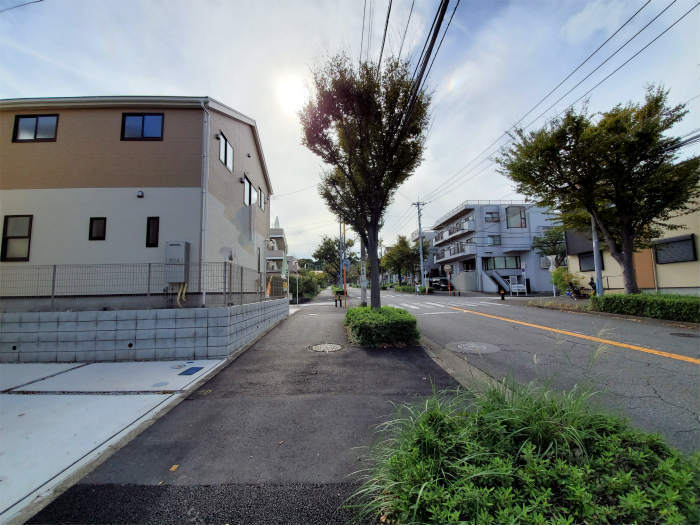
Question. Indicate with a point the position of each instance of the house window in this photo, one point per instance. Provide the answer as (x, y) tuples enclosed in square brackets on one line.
[(152, 228), (35, 128), (142, 126), (98, 229), (246, 191), (676, 249), (16, 237), (225, 152), (492, 216), (469, 266), (515, 217), (493, 240), (261, 199), (501, 263), (259, 260), (586, 262)]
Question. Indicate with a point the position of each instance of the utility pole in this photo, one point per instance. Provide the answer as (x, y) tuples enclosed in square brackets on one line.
[(418, 204), (340, 253), (596, 260), (363, 273)]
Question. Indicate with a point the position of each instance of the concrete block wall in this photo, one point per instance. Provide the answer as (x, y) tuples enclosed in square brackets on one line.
[(128, 335)]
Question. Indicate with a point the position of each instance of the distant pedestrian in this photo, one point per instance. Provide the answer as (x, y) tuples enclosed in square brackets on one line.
[(417, 289)]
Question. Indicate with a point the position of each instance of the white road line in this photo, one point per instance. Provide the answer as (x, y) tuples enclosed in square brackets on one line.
[(437, 313), (436, 304), (410, 306)]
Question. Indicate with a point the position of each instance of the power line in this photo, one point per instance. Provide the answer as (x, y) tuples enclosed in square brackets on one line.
[(20, 5), (443, 38), (406, 29), (453, 178), (386, 26), (362, 40)]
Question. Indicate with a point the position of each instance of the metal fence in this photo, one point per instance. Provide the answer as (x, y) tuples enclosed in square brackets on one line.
[(223, 282)]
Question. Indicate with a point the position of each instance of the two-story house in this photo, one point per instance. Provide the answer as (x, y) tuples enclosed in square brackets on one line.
[(487, 245), (106, 180)]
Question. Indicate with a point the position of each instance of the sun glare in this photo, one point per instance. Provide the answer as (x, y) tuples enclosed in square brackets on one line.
[(291, 93)]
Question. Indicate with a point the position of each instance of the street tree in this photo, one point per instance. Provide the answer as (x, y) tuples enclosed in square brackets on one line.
[(398, 258), (551, 243), (368, 126), (619, 167), (327, 257)]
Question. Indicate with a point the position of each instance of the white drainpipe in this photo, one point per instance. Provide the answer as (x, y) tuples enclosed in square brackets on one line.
[(205, 190)]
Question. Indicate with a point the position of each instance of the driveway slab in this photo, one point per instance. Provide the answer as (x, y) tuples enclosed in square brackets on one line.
[(13, 375)]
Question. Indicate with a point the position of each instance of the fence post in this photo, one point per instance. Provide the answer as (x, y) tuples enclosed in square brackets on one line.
[(225, 287), (53, 285), (148, 283), (241, 284)]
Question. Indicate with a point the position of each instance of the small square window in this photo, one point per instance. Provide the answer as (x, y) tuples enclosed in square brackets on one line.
[(35, 128), (152, 230), (142, 126), (98, 229), (16, 237)]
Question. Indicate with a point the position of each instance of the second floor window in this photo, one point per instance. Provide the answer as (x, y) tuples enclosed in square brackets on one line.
[(142, 126), (246, 191), (261, 199), (515, 217), (16, 237), (35, 128), (225, 152), (493, 240), (492, 216)]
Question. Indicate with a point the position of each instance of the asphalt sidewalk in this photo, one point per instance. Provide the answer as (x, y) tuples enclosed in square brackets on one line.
[(274, 438)]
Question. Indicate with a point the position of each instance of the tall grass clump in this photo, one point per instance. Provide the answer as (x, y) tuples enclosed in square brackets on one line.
[(524, 455)]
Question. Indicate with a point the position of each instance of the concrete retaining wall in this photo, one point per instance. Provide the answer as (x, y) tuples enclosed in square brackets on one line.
[(127, 335)]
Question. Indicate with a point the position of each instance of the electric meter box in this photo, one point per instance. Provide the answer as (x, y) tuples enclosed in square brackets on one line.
[(177, 261)]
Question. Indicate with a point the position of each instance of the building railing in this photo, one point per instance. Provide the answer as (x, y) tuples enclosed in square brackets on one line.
[(226, 282), (472, 204), (460, 248)]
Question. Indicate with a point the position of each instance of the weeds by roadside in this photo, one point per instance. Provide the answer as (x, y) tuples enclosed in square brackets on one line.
[(526, 455)]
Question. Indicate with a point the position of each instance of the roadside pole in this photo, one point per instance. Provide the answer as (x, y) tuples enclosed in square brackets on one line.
[(340, 252), (596, 260), (418, 204), (363, 273), (297, 287)]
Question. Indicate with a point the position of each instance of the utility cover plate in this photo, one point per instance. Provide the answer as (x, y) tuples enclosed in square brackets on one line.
[(471, 347), (326, 347)]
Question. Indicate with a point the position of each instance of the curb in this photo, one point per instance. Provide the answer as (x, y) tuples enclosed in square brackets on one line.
[(466, 374), (102, 452)]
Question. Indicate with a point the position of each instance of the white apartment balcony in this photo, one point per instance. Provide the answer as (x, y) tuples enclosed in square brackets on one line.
[(274, 254), (455, 231), (456, 251)]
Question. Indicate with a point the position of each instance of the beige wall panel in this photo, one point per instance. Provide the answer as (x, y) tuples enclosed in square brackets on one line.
[(89, 153), (644, 268), (226, 188), (62, 219)]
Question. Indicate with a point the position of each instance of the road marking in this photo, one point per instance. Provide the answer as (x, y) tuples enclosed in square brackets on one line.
[(436, 304), (437, 313), (410, 306), (493, 304), (678, 357)]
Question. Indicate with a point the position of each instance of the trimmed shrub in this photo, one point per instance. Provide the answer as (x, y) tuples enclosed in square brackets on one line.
[(659, 306), (563, 279), (386, 325), (525, 455)]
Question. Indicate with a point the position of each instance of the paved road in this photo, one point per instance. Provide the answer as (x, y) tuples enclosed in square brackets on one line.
[(271, 439), (658, 392)]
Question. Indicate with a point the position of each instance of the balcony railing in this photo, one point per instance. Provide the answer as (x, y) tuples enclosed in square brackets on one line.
[(456, 230), (456, 250)]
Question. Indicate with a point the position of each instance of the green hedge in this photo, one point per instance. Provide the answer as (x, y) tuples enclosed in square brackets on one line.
[(386, 325), (672, 307), (411, 289), (524, 455)]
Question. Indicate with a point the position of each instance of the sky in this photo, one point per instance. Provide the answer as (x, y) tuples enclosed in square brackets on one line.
[(498, 59)]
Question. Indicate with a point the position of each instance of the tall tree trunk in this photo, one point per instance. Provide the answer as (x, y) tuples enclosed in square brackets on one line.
[(629, 273), (372, 235)]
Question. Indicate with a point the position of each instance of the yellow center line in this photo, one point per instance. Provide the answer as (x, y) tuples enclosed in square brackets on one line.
[(587, 337)]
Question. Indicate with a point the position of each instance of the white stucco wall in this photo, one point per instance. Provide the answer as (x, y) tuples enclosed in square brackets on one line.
[(61, 223)]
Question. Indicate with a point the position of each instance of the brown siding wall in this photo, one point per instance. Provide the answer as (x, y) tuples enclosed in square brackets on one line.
[(644, 268), (89, 152)]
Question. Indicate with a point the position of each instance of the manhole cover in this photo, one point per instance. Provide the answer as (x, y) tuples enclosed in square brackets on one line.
[(473, 348), (325, 347), (683, 334)]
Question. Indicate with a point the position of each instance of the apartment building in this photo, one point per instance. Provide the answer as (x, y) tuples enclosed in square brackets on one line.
[(276, 256), (487, 245), (111, 180), (670, 265)]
